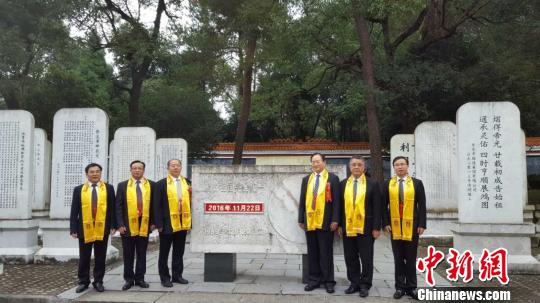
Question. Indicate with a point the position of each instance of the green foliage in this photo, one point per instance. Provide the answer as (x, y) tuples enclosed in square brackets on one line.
[(307, 73)]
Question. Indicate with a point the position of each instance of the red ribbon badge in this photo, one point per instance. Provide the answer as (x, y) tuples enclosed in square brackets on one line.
[(328, 193)]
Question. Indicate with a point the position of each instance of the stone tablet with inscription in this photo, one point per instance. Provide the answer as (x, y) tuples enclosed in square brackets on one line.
[(80, 137), (436, 163), (170, 148), (133, 143), (491, 166), (403, 145), (249, 209), (42, 170), (16, 168)]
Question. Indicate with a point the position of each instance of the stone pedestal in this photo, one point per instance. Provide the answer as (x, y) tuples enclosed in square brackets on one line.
[(514, 237), (440, 223), (219, 267), (58, 246), (18, 240)]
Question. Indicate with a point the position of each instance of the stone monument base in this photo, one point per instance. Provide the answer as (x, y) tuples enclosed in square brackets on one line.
[(439, 224), (58, 246), (514, 237), (219, 267), (18, 240)]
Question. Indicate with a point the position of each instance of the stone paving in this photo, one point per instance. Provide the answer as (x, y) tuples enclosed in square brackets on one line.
[(257, 274)]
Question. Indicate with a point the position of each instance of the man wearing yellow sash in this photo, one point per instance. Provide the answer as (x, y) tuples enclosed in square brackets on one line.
[(134, 221), (404, 217), (360, 225), (172, 217), (91, 220), (319, 212)]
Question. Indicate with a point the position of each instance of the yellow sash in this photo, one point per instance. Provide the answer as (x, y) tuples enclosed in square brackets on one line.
[(402, 229), (315, 216), (355, 213), (93, 230), (133, 216), (176, 223)]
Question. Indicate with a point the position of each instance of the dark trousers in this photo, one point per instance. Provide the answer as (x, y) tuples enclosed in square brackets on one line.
[(85, 254), (405, 263), (132, 246), (178, 242), (361, 245), (320, 250)]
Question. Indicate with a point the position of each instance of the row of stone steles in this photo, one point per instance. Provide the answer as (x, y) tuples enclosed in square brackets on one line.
[(38, 176)]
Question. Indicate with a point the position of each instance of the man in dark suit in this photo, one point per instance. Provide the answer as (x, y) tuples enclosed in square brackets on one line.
[(91, 220), (360, 225), (404, 217), (172, 217), (319, 212), (134, 221)]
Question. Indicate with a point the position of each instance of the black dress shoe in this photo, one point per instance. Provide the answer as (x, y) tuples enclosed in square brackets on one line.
[(142, 284), (329, 288), (167, 283), (311, 287), (81, 288), (364, 292), (398, 294), (127, 285), (180, 280), (99, 286), (351, 290), (413, 293)]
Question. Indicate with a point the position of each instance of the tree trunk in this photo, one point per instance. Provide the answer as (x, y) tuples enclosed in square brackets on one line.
[(246, 100), (369, 93), (134, 100)]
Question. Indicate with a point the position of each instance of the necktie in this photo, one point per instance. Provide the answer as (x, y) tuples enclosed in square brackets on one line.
[(315, 191), (139, 198), (94, 200), (179, 194), (355, 189), (400, 196)]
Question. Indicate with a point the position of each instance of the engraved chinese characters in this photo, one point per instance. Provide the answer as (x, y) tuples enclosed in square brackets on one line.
[(18, 232), (436, 166), (262, 208), (490, 163), (80, 136), (16, 169)]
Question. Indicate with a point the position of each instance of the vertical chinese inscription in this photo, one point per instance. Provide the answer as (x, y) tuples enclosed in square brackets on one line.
[(491, 170), (16, 164), (80, 136), (10, 162), (79, 144), (436, 162), (490, 161)]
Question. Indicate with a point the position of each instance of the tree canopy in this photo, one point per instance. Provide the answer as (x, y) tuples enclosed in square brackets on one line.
[(187, 68)]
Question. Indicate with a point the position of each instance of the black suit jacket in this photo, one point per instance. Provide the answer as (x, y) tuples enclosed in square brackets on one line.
[(331, 209), (75, 218), (419, 205), (121, 206), (372, 206), (162, 216)]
